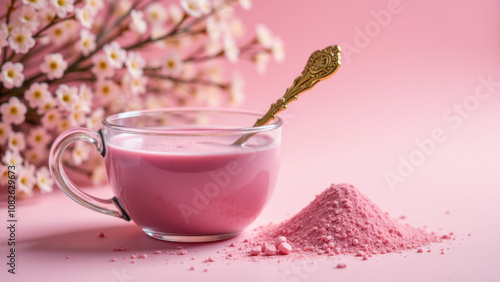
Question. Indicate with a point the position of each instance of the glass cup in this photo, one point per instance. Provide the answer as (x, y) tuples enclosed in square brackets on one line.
[(176, 172)]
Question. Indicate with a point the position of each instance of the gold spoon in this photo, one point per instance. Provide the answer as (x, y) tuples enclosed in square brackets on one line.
[(322, 64)]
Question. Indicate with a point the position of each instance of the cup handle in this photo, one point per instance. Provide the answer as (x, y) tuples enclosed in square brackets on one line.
[(106, 206)]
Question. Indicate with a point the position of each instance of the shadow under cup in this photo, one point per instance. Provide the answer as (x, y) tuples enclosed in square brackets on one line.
[(177, 173)]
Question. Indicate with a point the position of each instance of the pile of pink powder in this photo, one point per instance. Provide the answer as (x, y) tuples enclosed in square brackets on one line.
[(343, 221)]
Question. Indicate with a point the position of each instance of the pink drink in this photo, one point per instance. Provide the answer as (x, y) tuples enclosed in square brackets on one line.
[(192, 186)]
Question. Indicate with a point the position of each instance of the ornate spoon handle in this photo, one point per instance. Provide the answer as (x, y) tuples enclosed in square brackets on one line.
[(322, 64)]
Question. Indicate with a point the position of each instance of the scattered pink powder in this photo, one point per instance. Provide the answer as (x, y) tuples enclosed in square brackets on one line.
[(341, 265), (68, 257), (343, 221)]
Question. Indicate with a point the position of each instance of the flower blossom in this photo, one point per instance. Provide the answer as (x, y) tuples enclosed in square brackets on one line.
[(12, 75), (264, 36), (38, 137), (63, 7), (156, 14), (231, 51), (16, 142), (135, 64), (20, 40), (28, 17), (137, 23), (53, 66), (101, 66), (245, 4), (85, 16), (67, 96), (13, 111), (12, 158), (37, 4), (172, 64), (37, 94), (87, 43), (191, 7), (116, 55), (44, 181)]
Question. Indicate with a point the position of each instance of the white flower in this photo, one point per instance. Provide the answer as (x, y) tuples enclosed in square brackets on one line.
[(44, 181), (67, 96), (205, 6), (12, 75), (237, 28), (245, 4), (172, 64), (49, 103), (95, 118), (138, 24), (16, 142), (5, 130), (62, 32), (28, 17), (35, 155), (105, 91), (38, 137), (176, 14), (25, 181), (261, 60), (85, 16), (156, 14), (77, 118), (236, 95), (101, 66), (37, 4), (116, 55), (81, 106), (51, 118), (278, 50), (86, 44), (191, 7), (231, 51), (96, 5), (134, 84), (53, 66), (80, 153), (63, 7), (85, 94), (20, 40), (37, 94), (13, 111), (12, 158), (264, 36), (63, 125), (214, 28), (135, 64)]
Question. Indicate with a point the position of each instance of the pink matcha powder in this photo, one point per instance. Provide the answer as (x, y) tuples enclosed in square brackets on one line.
[(343, 221)]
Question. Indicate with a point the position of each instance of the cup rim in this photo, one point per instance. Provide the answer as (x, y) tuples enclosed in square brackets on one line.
[(107, 122)]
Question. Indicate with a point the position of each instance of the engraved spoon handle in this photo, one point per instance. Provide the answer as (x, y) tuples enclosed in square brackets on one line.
[(322, 64)]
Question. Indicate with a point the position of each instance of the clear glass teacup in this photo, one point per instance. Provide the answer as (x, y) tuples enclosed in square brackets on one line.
[(176, 172)]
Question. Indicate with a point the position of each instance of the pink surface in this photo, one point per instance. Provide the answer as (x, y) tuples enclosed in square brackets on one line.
[(423, 76)]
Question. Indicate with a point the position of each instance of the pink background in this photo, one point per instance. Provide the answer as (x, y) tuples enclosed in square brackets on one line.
[(353, 128)]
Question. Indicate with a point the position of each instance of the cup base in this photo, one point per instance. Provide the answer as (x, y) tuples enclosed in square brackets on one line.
[(188, 238)]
